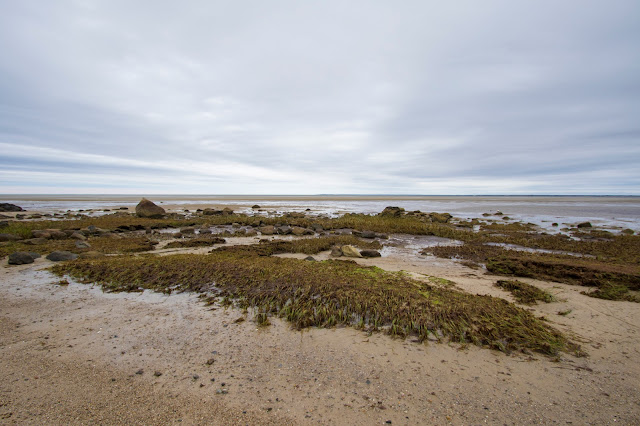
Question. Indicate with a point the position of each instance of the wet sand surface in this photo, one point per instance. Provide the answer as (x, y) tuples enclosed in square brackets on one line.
[(75, 355)]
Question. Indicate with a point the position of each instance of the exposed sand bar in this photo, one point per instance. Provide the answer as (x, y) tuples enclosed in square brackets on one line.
[(69, 355)]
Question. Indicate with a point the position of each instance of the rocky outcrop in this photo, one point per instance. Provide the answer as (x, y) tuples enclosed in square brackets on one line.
[(8, 207), (149, 209), (392, 211), (440, 217)]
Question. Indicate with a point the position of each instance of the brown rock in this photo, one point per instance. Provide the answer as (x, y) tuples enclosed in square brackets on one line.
[(267, 230), (9, 237), (146, 208)]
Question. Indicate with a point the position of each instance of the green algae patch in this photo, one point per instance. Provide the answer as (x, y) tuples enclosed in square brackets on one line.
[(610, 291), (106, 245), (592, 271), (302, 245), (327, 294), (196, 242), (525, 293)]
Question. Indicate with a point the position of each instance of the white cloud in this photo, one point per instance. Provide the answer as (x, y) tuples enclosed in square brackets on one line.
[(289, 97)]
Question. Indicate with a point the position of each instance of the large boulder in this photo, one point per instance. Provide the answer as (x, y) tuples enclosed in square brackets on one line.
[(392, 211), (370, 253), (146, 208), (58, 256), (20, 258), (7, 207)]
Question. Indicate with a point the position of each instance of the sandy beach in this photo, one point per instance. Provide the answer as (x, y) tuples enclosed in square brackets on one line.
[(75, 355)]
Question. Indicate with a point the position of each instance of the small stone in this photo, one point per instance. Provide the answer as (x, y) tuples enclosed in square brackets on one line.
[(210, 361), (157, 374), (139, 372), (58, 256)]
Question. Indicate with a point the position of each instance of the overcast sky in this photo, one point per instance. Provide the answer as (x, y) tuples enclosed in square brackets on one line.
[(302, 97)]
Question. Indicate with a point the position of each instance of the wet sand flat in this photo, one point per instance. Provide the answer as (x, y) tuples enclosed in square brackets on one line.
[(70, 354)]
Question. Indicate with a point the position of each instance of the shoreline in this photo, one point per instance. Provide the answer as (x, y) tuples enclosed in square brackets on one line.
[(196, 197)]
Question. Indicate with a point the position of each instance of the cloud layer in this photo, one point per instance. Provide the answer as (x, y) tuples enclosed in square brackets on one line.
[(284, 97)]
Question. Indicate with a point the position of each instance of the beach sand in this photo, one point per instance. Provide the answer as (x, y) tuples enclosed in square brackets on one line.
[(71, 354)]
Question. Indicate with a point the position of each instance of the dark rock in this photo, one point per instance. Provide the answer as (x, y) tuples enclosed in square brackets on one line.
[(367, 234), (382, 236), (251, 232), (20, 216), (554, 224), (157, 374), (210, 361), (392, 211), (204, 231), (188, 230), (20, 258), (35, 255), (7, 207), (9, 237), (585, 225), (310, 258), (284, 230), (255, 206), (146, 208), (58, 256), (370, 253), (211, 212), (317, 227), (227, 211)]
